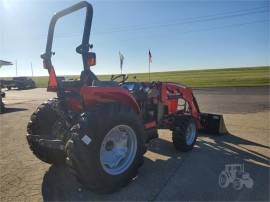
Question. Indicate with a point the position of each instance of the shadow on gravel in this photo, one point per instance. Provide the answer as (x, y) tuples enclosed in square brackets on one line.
[(10, 110), (175, 176)]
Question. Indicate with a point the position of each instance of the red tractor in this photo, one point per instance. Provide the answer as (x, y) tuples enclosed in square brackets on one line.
[(101, 128)]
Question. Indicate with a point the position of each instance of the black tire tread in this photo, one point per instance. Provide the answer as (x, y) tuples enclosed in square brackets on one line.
[(178, 134), (101, 116), (35, 130)]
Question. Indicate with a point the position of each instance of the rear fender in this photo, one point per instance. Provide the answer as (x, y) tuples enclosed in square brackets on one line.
[(95, 95)]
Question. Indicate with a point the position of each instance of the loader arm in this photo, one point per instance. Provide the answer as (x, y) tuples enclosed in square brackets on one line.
[(171, 92), (206, 122)]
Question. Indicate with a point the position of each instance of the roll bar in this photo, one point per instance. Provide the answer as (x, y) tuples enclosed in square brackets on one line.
[(84, 47)]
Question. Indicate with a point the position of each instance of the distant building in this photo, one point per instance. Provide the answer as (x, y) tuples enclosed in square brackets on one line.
[(4, 63)]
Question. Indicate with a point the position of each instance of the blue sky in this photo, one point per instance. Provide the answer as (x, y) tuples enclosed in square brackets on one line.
[(181, 35)]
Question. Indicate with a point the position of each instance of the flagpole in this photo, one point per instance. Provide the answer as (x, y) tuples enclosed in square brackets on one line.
[(121, 63), (149, 61), (149, 70), (16, 69), (32, 69)]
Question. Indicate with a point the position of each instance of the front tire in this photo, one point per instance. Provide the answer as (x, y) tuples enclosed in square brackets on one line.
[(184, 134), (106, 148)]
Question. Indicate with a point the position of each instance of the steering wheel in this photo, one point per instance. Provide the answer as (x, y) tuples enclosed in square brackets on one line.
[(124, 78)]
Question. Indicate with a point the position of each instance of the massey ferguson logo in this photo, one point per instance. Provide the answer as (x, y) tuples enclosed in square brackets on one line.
[(235, 174)]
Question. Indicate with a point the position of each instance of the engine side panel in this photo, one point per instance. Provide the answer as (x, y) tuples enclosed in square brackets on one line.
[(94, 95)]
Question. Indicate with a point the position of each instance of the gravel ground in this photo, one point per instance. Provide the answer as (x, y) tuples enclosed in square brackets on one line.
[(167, 175)]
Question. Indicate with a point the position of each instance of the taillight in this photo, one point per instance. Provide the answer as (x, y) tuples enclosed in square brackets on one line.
[(91, 61)]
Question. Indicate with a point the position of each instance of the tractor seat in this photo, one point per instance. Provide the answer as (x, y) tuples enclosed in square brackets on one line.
[(105, 83), (64, 84), (89, 78)]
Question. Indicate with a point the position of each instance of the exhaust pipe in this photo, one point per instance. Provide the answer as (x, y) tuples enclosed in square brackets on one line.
[(212, 124)]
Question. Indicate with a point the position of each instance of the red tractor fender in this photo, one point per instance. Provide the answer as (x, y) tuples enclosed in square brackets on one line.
[(94, 95)]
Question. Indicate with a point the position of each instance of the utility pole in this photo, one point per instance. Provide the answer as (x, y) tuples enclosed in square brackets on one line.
[(16, 69), (32, 70)]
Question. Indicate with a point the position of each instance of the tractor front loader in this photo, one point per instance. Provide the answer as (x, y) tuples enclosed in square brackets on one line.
[(101, 128)]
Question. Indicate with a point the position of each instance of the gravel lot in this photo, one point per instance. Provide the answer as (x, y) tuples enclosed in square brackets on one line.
[(167, 175)]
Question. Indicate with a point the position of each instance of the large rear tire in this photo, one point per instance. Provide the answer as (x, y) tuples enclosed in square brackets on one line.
[(106, 148), (185, 133), (46, 123)]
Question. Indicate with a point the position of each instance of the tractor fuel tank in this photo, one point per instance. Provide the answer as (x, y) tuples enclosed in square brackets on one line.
[(212, 124)]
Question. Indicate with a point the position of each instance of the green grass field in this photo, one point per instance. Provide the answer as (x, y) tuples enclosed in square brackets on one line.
[(245, 76)]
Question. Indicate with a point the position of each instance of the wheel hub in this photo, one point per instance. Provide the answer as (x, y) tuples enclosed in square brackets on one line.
[(118, 149), (109, 146), (58, 130)]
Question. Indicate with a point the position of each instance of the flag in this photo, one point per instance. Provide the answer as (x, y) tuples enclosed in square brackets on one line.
[(150, 57), (121, 60), (150, 61)]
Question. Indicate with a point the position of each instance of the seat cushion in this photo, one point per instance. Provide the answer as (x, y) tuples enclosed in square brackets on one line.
[(105, 83)]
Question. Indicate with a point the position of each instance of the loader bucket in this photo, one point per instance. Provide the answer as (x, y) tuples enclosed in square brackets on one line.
[(213, 124)]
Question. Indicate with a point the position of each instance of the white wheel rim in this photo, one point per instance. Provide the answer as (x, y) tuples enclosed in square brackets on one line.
[(118, 149), (190, 134)]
